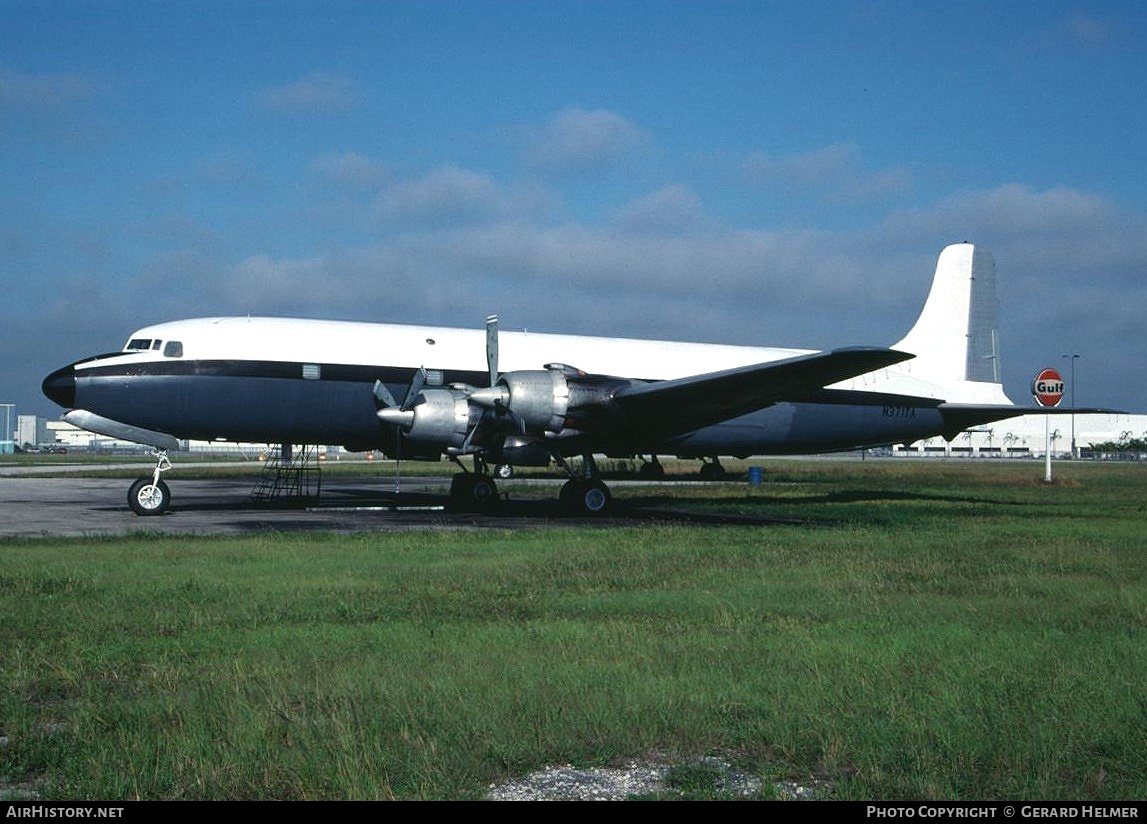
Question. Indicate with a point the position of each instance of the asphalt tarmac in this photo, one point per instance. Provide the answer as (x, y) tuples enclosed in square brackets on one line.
[(33, 506)]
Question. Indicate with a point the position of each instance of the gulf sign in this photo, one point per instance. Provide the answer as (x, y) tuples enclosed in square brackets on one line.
[(1048, 388)]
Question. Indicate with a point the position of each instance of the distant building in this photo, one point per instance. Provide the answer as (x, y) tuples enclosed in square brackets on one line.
[(32, 431), (7, 433), (74, 438), (1028, 437)]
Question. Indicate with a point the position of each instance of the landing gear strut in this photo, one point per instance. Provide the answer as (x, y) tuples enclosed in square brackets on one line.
[(583, 494), (150, 496), (651, 469), (473, 491)]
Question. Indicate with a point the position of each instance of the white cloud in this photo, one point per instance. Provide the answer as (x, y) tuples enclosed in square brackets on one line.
[(1087, 30), (42, 91), (579, 140), (674, 209), (350, 169), (453, 196), (1055, 225), (836, 172), (230, 169), (263, 285), (817, 166), (317, 92)]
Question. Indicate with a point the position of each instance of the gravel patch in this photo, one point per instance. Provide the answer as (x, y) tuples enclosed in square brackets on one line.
[(567, 783)]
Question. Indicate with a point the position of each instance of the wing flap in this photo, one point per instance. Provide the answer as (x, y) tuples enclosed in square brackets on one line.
[(681, 405)]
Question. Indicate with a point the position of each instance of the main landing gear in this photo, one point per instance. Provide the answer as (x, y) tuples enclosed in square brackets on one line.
[(583, 494), (150, 496), (473, 491), (651, 470), (711, 470)]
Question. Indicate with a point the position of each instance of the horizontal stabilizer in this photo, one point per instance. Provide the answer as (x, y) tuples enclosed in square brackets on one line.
[(677, 406), (959, 417), (92, 422)]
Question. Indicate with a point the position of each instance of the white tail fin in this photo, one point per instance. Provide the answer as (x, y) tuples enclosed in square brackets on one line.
[(956, 337)]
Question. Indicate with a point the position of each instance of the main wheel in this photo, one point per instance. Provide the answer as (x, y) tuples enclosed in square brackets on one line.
[(712, 472), (651, 471), (147, 498), (484, 494), (581, 497), (473, 493)]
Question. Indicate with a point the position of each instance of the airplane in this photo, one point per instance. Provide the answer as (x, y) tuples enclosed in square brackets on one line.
[(539, 399)]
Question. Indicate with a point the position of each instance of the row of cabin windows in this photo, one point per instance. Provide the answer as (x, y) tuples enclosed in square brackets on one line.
[(172, 349)]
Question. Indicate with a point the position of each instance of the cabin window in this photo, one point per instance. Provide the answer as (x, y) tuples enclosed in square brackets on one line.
[(138, 343), (312, 372), (173, 349)]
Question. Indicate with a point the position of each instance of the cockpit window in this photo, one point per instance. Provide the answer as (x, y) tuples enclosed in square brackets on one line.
[(173, 349), (155, 345), (139, 343)]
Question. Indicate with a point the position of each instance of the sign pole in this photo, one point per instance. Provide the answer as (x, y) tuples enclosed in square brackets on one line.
[(1047, 389)]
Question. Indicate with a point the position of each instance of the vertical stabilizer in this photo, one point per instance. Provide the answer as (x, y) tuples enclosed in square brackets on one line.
[(956, 337)]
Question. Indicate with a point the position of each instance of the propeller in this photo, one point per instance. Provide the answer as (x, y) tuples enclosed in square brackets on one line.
[(389, 411), (494, 397), (401, 417), (492, 347)]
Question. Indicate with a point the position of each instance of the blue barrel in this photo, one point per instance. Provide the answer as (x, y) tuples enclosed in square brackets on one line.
[(755, 475)]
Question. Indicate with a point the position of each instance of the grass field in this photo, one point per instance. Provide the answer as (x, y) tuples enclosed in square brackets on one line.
[(924, 630)]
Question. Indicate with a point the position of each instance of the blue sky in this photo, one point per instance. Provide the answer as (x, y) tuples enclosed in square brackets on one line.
[(744, 172)]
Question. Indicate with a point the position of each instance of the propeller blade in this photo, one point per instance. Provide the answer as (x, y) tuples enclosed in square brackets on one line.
[(415, 387), (382, 397), (492, 347)]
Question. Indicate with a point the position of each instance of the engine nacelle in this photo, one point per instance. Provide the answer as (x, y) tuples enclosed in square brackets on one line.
[(539, 397), (442, 417), (545, 399)]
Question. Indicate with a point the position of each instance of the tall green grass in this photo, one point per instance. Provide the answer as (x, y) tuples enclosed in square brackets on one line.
[(954, 631)]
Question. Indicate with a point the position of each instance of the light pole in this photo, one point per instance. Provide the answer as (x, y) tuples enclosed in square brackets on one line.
[(1073, 359)]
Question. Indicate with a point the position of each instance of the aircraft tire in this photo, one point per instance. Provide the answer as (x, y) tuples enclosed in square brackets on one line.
[(484, 494), (147, 498), (581, 497), (712, 472), (473, 493), (651, 471)]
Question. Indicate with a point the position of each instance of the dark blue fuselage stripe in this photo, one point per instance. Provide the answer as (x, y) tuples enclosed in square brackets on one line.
[(274, 369)]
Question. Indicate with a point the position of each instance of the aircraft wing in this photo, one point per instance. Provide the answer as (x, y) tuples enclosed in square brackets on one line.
[(673, 407)]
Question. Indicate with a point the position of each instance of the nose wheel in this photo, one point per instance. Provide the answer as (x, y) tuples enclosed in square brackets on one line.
[(150, 496)]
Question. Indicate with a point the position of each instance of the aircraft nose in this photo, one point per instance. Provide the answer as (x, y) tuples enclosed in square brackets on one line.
[(60, 386)]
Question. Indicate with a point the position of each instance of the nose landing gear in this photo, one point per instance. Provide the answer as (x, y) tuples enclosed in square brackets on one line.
[(150, 496)]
